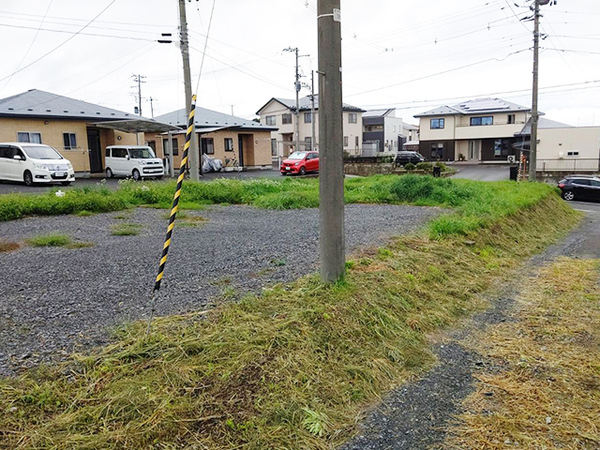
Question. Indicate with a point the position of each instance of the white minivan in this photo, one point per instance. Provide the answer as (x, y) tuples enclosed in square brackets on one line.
[(135, 161), (34, 163)]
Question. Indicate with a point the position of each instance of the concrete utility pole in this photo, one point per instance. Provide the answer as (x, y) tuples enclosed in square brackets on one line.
[(297, 87), (139, 79), (313, 142), (195, 167), (534, 101), (331, 156)]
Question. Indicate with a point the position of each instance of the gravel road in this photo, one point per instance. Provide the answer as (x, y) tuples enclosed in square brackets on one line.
[(55, 300)]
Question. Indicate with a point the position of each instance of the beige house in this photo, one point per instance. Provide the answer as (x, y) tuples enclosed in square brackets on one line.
[(280, 113), (480, 130), (73, 127), (231, 139)]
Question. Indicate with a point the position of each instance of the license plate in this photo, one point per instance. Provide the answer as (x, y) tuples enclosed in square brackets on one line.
[(288, 168)]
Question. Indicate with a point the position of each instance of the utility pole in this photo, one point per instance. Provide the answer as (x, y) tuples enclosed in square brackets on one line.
[(331, 157), (297, 87), (151, 107), (313, 142), (534, 101), (195, 167), (139, 79)]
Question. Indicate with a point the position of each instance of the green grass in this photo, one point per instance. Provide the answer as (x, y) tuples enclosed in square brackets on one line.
[(292, 368), (50, 240), (125, 229)]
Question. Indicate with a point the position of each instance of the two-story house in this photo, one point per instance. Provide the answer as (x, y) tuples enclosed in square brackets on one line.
[(382, 132), (482, 130), (281, 113)]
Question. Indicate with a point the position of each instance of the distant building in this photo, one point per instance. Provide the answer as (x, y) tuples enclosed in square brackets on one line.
[(382, 132)]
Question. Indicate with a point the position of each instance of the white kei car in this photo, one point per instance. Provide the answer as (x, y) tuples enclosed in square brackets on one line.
[(34, 163)]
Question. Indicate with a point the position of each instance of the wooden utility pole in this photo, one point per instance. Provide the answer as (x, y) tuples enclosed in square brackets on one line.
[(187, 79), (331, 144)]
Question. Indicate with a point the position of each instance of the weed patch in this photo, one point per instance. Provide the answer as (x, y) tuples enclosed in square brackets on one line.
[(9, 246), (292, 368), (125, 229), (50, 240)]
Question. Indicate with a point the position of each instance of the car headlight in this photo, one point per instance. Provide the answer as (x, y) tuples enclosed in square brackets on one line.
[(41, 166), (69, 166), (143, 163), (297, 164)]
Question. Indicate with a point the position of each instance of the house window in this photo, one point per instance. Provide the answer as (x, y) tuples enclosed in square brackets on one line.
[(208, 146), (286, 119), (437, 151), (273, 147), (511, 119), (352, 118), (228, 144), (436, 124), (356, 141), (271, 120), (25, 136), (572, 153), (345, 141), (173, 144), (501, 148), (70, 141), (308, 143), (308, 117), (478, 121)]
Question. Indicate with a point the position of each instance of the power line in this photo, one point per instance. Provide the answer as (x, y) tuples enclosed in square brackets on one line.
[(60, 45)]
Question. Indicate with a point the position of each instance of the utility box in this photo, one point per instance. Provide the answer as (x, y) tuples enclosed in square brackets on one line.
[(514, 173), (437, 171)]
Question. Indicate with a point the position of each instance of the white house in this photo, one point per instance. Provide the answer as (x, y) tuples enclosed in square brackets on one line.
[(382, 132)]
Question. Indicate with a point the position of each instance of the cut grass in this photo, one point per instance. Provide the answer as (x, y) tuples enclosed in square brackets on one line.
[(125, 229), (475, 204), (9, 246), (547, 393), (50, 240), (292, 368)]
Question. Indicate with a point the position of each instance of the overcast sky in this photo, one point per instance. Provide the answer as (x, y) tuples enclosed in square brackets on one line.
[(413, 55)]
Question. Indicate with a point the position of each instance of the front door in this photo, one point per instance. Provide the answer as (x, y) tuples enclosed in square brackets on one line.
[(241, 150), (95, 150), (474, 150)]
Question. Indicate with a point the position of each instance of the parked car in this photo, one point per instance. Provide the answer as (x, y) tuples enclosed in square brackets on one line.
[(34, 163), (580, 187), (135, 161), (403, 158), (300, 163)]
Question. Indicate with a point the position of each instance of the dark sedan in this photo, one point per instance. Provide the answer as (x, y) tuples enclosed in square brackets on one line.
[(580, 187)]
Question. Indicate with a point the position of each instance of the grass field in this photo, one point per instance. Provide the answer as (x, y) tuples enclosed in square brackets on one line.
[(295, 367)]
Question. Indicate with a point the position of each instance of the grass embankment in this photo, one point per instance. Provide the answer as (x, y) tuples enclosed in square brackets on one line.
[(546, 393), (476, 204), (292, 368)]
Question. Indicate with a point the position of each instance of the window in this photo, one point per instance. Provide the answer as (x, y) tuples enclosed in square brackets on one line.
[(511, 119), (271, 120), (25, 136), (228, 144), (437, 151), (307, 117), (119, 153), (352, 118), (286, 119), (356, 141), (501, 148), (308, 143), (477, 121), (70, 141), (572, 153), (273, 147), (345, 141), (436, 124), (174, 146), (208, 146)]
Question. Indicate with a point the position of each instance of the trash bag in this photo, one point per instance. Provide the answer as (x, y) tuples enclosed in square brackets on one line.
[(210, 164)]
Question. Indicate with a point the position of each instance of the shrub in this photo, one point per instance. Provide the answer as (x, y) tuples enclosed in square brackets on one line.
[(442, 166), (409, 167), (425, 166)]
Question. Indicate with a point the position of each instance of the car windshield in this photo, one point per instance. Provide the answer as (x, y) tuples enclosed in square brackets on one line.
[(141, 153), (297, 155), (43, 152)]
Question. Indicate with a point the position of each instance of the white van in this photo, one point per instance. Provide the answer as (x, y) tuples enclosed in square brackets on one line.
[(34, 163), (135, 161)]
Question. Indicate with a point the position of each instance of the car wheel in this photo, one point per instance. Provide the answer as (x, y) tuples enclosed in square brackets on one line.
[(109, 173), (65, 183), (302, 170), (136, 175), (568, 195), (28, 178)]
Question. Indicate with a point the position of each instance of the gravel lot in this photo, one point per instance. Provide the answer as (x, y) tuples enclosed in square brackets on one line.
[(55, 300)]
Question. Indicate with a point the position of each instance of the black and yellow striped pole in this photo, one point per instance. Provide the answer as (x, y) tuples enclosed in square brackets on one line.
[(174, 208)]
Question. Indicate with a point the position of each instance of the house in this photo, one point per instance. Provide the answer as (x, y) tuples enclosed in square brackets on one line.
[(412, 134), (77, 129), (382, 132), (481, 130), (222, 136), (561, 147), (280, 113)]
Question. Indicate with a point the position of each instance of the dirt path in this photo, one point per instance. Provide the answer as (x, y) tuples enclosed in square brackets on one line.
[(417, 415)]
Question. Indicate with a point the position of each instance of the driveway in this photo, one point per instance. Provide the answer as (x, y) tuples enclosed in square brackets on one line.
[(482, 172)]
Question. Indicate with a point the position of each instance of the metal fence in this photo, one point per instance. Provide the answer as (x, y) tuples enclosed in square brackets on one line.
[(568, 164)]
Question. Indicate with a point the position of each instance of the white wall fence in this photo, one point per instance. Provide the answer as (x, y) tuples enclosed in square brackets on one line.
[(568, 164)]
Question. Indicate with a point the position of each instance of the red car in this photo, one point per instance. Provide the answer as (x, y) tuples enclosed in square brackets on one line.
[(300, 163)]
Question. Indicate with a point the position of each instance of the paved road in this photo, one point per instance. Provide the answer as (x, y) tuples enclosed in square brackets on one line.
[(479, 172), (9, 187)]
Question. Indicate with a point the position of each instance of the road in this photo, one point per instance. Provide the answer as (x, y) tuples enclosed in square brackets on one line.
[(481, 172)]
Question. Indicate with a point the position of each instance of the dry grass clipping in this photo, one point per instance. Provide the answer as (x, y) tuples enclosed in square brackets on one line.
[(546, 394)]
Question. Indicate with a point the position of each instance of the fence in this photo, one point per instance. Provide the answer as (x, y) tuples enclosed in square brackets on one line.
[(568, 164)]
